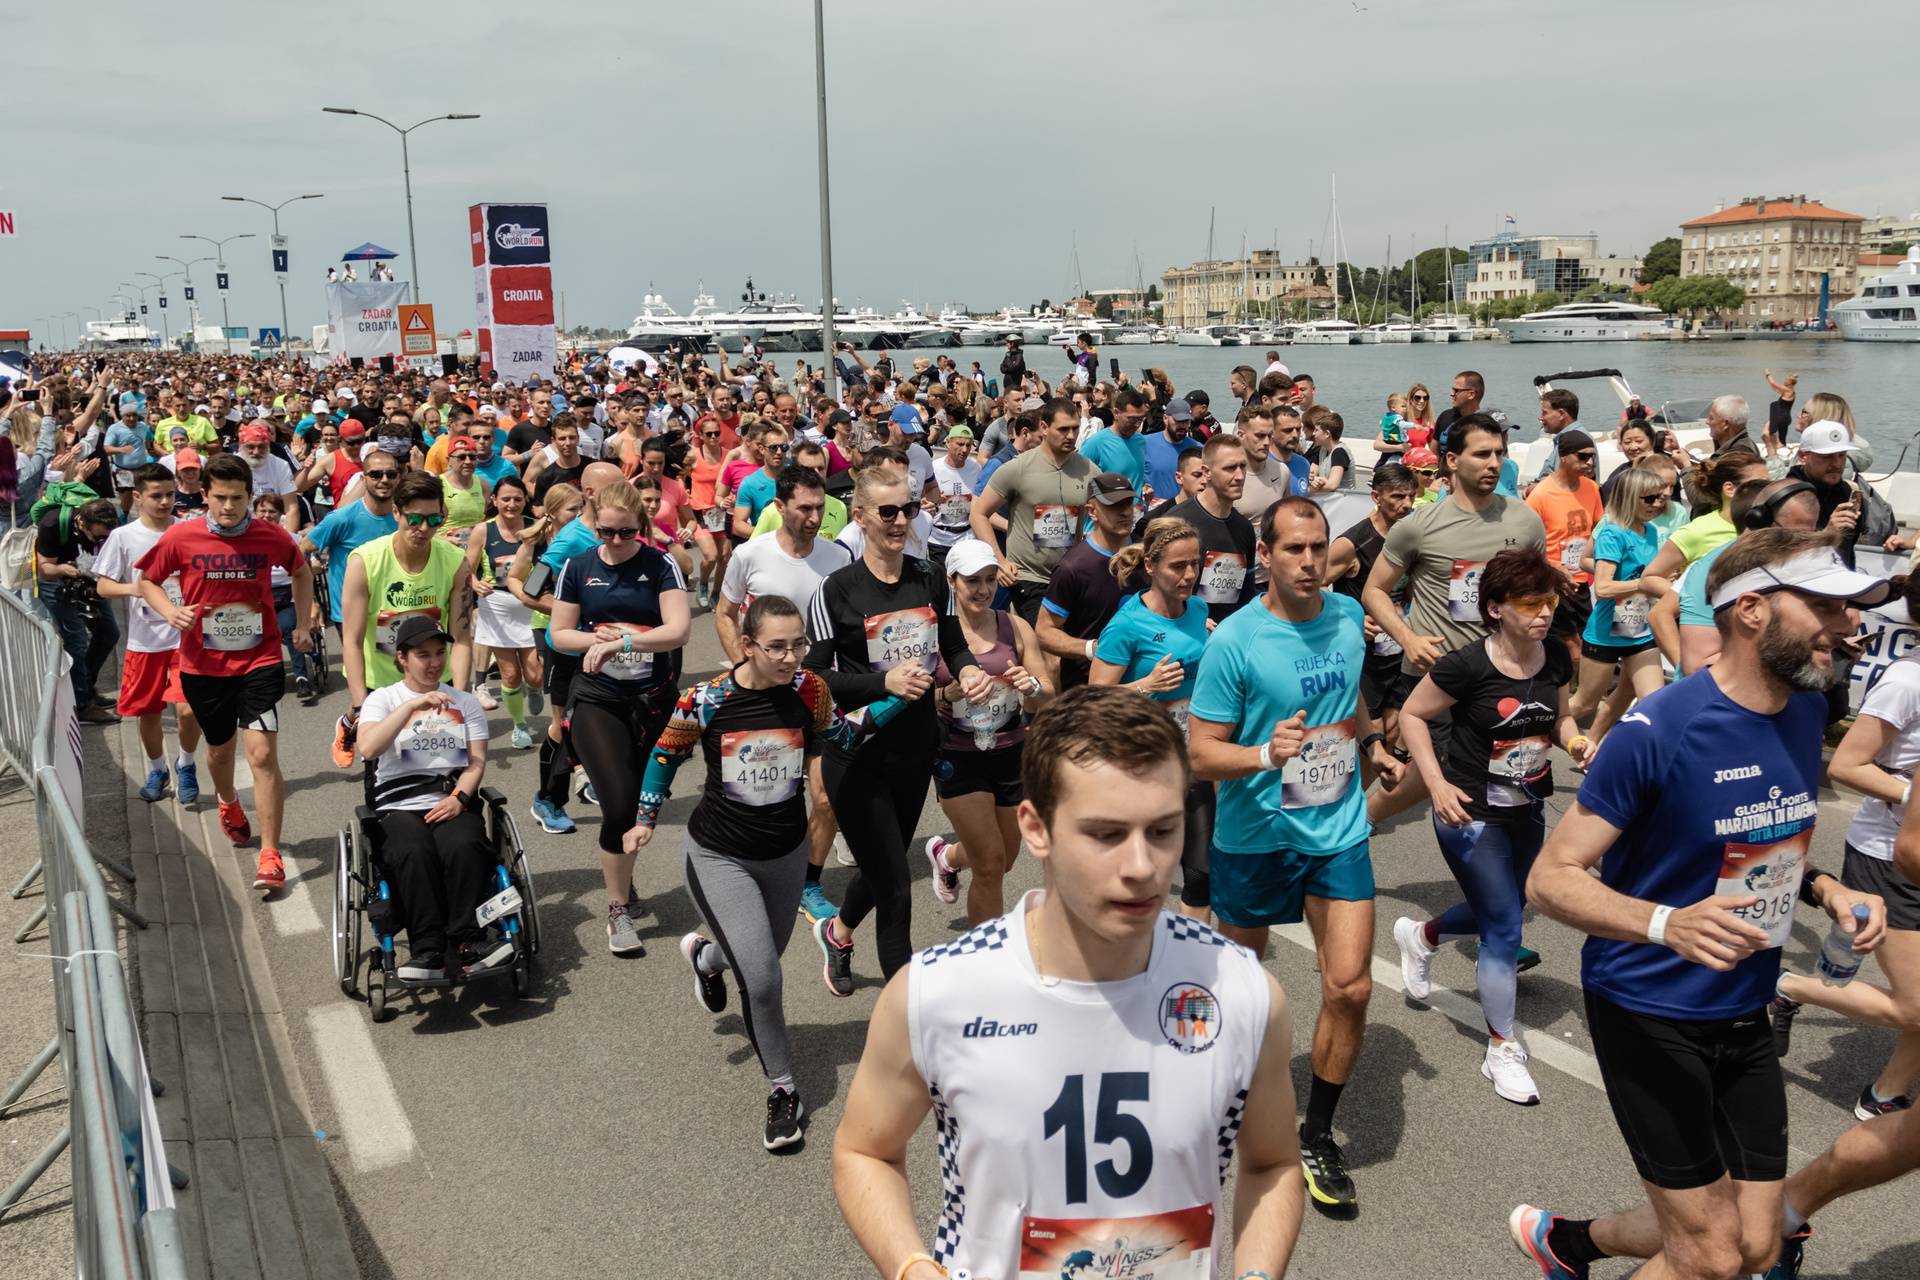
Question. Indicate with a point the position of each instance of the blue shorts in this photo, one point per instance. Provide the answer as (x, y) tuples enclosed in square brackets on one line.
[(1253, 890)]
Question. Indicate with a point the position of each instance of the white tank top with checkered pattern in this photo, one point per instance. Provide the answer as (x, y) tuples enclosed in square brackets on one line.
[(1084, 1128)]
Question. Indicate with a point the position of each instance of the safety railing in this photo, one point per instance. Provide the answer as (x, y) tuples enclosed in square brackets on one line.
[(124, 1222)]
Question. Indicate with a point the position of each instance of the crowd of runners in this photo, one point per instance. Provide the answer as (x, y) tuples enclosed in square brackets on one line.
[(1111, 625)]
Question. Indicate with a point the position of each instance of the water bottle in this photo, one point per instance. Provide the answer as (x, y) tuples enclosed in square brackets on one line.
[(1838, 960)]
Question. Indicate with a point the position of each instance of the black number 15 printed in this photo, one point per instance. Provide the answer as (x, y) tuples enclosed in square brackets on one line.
[(1068, 1115)]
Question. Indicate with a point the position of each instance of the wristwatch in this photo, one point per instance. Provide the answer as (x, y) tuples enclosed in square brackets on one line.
[(1366, 743)]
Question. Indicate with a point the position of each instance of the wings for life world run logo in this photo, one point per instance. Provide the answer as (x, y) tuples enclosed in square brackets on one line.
[(1190, 1017), (511, 235)]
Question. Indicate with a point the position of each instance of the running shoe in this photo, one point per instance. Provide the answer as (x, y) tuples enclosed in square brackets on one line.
[(552, 818), (1506, 1066), (841, 853), (423, 966), (521, 738), (271, 873), (1793, 1251), (1527, 959), (784, 1110), (1782, 1011), (585, 791), (1872, 1104), (621, 938), (1416, 958), (154, 789), (303, 690), (187, 777), (815, 905), (838, 970), (343, 737), (97, 713), (484, 953), (1329, 1184), (484, 696), (710, 988), (233, 821), (946, 881), (1529, 1227)]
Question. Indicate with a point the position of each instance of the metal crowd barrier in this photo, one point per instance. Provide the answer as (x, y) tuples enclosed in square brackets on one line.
[(124, 1223)]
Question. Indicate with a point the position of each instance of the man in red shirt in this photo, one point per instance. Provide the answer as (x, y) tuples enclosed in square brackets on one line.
[(1568, 504), (230, 669)]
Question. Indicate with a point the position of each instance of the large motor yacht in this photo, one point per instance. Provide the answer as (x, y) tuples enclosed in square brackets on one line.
[(1587, 322), (1887, 308)]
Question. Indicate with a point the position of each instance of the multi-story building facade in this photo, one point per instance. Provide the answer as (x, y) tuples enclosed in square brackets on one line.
[(1877, 234), (1779, 249), (1518, 266), (1225, 291)]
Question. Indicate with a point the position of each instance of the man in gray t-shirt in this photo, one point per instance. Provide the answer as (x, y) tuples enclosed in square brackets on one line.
[(1441, 549), (1042, 496)]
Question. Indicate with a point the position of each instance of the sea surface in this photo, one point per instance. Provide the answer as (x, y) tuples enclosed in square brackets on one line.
[(1881, 381)]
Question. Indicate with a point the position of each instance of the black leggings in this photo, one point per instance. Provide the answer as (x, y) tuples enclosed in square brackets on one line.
[(1195, 882), (613, 741), (440, 872), (877, 800)]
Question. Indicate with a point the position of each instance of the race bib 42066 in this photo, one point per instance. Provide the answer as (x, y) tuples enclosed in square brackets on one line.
[(1223, 575)]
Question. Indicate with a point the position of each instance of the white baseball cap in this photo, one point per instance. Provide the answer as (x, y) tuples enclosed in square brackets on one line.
[(1818, 571), (1826, 436), (969, 556)]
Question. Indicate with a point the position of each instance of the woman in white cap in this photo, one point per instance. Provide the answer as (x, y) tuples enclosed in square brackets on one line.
[(981, 738)]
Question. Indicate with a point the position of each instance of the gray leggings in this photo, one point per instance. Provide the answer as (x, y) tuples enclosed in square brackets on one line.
[(750, 906)]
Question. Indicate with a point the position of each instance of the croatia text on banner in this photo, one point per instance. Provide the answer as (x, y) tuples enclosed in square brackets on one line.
[(363, 319), (1888, 631)]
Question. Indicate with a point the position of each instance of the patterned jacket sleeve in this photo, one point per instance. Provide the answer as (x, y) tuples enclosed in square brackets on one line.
[(844, 732), (676, 745)]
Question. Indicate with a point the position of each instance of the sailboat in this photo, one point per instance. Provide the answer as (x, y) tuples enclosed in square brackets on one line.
[(1332, 332), (1449, 325)]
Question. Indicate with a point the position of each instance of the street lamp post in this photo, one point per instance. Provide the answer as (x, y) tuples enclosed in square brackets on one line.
[(826, 218), (406, 171), (220, 265), (186, 269), (275, 210), (160, 283)]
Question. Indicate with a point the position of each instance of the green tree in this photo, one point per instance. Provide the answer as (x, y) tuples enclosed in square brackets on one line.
[(1662, 260), (1103, 309), (1898, 248), (1694, 295)]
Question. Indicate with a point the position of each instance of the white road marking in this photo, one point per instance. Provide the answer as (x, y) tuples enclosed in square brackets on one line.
[(368, 1116)]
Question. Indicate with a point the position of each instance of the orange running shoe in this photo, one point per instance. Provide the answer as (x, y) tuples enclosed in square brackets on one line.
[(343, 739), (233, 821), (272, 873)]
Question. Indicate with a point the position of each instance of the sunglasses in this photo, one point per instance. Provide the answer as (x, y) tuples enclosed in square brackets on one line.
[(417, 520), (1654, 499), (709, 435), (1585, 455), (1422, 397), (1426, 471), (380, 475), (888, 512), (773, 448), (618, 533), (1533, 604)]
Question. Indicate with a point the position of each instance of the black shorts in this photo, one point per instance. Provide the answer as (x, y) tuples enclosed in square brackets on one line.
[(1571, 614), (1694, 1100), (1864, 873), (225, 704), (557, 670), (1612, 653), (997, 771), (1025, 598), (1195, 890), (1380, 680)]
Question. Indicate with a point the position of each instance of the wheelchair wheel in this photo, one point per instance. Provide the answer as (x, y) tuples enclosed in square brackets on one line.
[(346, 953), (377, 992), (520, 870)]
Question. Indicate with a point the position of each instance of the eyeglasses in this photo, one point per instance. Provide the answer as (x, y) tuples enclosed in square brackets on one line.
[(888, 512), (780, 650), (416, 520), (618, 533), (1533, 604), (380, 475)]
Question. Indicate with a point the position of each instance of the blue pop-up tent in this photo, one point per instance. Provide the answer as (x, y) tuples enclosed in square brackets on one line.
[(368, 252)]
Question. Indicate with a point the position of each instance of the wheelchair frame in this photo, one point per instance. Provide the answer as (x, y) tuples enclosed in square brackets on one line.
[(356, 886)]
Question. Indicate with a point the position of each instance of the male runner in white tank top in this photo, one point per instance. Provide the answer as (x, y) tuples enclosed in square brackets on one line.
[(1092, 1061)]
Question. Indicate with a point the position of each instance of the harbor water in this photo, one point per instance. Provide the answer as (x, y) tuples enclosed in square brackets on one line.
[(1879, 380)]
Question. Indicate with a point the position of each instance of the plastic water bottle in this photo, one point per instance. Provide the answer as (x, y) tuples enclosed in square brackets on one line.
[(1838, 960)]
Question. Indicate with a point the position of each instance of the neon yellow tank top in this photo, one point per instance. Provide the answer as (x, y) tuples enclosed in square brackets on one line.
[(465, 507), (393, 594)]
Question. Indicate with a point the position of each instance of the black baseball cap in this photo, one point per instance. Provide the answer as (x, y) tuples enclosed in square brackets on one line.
[(415, 630), (1198, 398), (1110, 489)]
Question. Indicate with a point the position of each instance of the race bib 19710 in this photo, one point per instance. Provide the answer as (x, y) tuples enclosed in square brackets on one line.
[(1323, 770)]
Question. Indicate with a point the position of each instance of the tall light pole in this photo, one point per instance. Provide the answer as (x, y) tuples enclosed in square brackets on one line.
[(220, 265), (160, 284), (73, 343), (279, 245), (406, 171), (826, 205), (186, 269)]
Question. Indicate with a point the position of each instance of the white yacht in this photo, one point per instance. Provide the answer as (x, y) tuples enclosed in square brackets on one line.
[(1326, 333), (1376, 333), (1213, 335), (658, 325), (1586, 322), (1887, 308), (1449, 326)]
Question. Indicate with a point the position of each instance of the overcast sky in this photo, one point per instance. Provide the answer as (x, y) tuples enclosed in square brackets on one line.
[(971, 143)]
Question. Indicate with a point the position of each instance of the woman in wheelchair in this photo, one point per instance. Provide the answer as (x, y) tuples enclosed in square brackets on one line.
[(427, 745)]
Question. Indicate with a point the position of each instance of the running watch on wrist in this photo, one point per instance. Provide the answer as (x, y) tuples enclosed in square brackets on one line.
[(1366, 743)]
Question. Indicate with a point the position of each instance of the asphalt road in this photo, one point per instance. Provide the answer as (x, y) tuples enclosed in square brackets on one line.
[(610, 1125)]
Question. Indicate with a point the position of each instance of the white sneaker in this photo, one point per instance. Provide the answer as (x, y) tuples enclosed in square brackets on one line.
[(842, 854), (622, 938), (1506, 1065), (1416, 958), (484, 696), (945, 880)]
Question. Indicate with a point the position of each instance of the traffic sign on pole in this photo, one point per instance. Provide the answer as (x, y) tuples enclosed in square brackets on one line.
[(220, 281), (163, 302), (269, 339), (143, 308), (189, 293), (416, 330), (280, 258)]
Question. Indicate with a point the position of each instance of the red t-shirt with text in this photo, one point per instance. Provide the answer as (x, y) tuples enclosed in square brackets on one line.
[(228, 582)]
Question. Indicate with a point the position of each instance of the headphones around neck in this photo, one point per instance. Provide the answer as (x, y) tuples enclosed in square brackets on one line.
[(1761, 515)]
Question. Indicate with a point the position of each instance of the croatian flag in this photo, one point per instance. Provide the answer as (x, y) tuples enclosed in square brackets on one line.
[(1511, 220)]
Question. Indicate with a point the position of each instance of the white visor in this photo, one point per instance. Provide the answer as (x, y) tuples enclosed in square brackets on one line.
[(1819, 572)]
